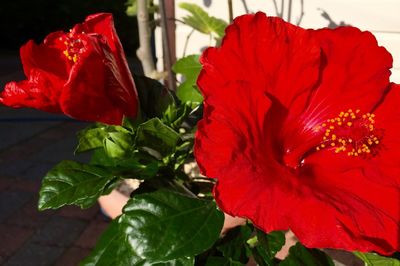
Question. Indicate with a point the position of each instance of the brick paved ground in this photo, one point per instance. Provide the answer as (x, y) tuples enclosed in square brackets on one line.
[(27, 151), (31, 143)]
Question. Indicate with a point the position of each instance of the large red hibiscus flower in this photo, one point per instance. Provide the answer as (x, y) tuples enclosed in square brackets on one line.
[(82, 73), (301, 129)]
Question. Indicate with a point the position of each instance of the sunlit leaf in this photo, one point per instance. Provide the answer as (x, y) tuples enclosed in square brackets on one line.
[(71, 182), (201, 21), (372, 259), (189, 67)]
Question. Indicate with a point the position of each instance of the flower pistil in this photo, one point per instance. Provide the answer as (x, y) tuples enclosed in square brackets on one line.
[(351, 132)]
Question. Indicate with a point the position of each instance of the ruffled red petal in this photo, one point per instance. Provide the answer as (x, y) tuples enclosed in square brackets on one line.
[(355, 72), (366, 209), (41, 91), (386, 166), (224, 141), (271, 55), (43, 57)]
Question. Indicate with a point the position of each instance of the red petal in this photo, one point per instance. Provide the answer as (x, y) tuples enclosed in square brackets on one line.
[(270, 54), (86, 95), (325, 207), (103, 24), (43, 57), (365, 210), (125, 94), (355, 73), (232, 129), (386, 167), (41, 91), (233, 145)]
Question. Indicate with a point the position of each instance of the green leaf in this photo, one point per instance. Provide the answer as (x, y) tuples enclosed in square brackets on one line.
[(175, 115), (118, 144), (159, 227), (372, 259), (113, 248), (139, 165), (173, 225), (189, 67), (270, 244), (234, 246), (265, 246), (156, 137), (189, 93), (94, 137), (187, 261), (73, 183), (182, 153), (154, 97), (202, 22), (300, 255), (90, 138), (131, 7)]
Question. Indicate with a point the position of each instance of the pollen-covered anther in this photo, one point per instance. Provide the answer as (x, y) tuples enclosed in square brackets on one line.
[(351, 132), (73, 45)]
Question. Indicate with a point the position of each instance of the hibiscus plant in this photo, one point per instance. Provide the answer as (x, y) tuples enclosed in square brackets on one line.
[(298, 130)]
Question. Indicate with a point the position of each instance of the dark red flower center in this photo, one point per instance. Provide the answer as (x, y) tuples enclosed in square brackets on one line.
[(351, 132), (73, 45)]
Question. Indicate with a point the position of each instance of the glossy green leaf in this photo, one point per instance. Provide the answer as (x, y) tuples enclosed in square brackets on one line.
[(113, 248), (70, 182), (202, 22), (372, 259), (172, 225), (156, 137), (300, 255), (189, 67), (159, 227)]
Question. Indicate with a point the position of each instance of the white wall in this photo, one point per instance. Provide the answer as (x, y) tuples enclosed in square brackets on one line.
[(381, 17)]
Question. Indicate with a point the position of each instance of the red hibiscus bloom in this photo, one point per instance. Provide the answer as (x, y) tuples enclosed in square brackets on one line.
[(83, 74), (301, 129)]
